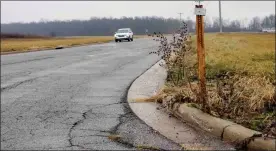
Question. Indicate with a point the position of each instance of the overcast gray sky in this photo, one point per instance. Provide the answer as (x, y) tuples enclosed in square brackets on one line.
[(27, 11)]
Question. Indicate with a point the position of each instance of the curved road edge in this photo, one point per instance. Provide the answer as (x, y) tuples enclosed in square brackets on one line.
[(146, 85)]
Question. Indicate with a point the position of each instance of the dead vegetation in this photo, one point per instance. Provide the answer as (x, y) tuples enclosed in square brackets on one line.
[(144, 147), (240, 73), (16, 43), (10, 45), (114, 137)]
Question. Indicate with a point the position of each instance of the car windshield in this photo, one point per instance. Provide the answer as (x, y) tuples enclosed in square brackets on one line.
[(122, 31)]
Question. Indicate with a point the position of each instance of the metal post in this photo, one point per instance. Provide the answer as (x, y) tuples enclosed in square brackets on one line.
[(220, 20), (201, 57)]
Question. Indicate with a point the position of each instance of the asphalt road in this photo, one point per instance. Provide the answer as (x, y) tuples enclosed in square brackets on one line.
[(75, 98)]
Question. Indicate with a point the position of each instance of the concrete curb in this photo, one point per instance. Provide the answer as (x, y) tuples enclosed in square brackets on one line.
[(146, 85), (226, 130)]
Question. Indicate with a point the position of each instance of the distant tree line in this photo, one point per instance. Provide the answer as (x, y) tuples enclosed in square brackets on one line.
[(107, 26), (16, 35)]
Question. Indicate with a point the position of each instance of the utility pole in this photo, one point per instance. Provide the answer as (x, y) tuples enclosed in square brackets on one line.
[(200, 12), (220, 20), (180, 18)]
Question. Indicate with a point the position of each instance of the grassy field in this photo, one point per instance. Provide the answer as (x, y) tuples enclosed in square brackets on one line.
[(243, 53), (240, 70), (15, 45), (251, 59)]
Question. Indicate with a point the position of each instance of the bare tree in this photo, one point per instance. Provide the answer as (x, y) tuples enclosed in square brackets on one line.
[(255, 24)]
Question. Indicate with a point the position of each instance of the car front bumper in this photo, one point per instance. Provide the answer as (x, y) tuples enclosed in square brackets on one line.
[(122, 38)]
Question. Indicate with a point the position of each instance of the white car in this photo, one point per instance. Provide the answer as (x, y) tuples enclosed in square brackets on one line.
[(123, 34)]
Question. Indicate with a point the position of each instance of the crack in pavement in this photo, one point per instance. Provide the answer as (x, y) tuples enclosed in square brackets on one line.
[(112, 131), (73, 127), (127, 111), (27, 61), (17, 84), (92, 135)]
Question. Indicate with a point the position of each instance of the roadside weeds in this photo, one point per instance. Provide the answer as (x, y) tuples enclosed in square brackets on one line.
[(242, 94)]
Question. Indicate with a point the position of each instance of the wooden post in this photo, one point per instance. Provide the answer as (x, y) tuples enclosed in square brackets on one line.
[(201, 57)]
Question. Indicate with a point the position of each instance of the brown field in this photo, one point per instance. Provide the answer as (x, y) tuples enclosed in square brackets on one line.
[(34, 44), (17, 45)]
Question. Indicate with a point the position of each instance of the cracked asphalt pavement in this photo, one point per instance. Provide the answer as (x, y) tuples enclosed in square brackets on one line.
[(75, 98)]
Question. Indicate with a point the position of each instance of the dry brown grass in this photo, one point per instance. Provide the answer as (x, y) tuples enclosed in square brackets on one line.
[(245, 93), (156, 98), (21, 45), (144, 147), (246, 104), (14, 45), (114, 137)]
